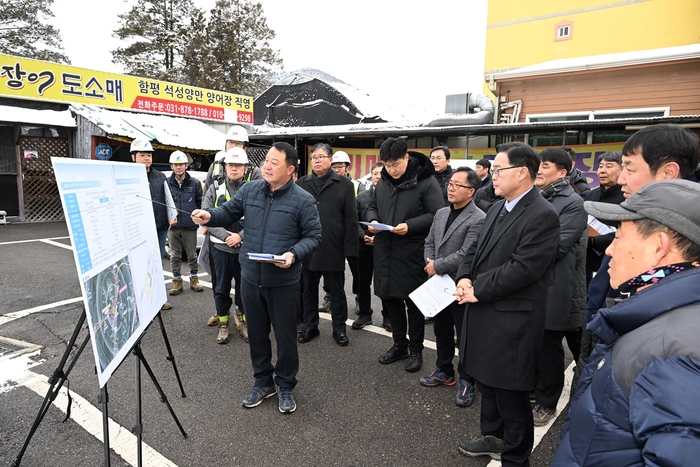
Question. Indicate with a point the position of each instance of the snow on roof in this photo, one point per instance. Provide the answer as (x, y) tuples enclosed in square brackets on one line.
[(593, 62), (62, 118), (169, 131), (370, 106)]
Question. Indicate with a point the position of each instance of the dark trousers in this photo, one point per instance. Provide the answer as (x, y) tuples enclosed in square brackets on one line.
[(507, 415), (573, 340), (276, 307), (444, 326), (162, 236), (227, 268), (352, 262), (365, 271), (335, 281), (550, 370), (415, 324)]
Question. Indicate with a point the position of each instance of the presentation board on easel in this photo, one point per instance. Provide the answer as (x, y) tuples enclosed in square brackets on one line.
[(115, 245)]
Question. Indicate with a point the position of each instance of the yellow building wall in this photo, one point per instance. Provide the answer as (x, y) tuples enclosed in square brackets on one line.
[(521, 33)]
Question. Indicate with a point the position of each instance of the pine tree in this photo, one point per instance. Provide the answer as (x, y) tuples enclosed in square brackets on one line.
[(240, 39), (24, 30), (199, 66), (156, 32), (172, 40)]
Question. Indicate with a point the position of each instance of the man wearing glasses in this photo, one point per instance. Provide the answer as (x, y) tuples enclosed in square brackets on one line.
[(406, 198), (440, 157), (504, 277), (335, 201), (454, 229)]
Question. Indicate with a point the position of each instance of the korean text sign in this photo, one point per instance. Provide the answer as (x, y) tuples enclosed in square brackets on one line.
[(47, 81)]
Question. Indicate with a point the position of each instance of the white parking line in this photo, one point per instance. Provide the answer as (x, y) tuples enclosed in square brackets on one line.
[(4, 319), (121, 440), (33, 240), (62, 245)]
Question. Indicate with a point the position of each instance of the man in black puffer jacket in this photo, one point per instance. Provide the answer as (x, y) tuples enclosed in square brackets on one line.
[(406, 197), (280, 219)]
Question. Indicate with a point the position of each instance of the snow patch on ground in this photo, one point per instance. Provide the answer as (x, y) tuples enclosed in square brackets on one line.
[(14, 369)]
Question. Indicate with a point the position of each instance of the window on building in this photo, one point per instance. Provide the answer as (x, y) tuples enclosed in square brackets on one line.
[(599, 115), (610, 136), (563, 31)]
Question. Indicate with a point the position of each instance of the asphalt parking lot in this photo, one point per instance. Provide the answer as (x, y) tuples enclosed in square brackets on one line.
[(351, 409)]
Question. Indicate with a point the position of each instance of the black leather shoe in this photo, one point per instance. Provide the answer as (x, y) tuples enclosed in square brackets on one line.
[(341, 338), (306, 336), (415, 362), (393, 354)]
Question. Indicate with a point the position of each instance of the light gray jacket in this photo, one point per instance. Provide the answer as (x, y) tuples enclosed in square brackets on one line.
[(447, 248)]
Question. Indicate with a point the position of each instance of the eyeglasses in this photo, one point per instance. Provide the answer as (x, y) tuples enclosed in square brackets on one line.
[(437, 158), (496, 172), (457, 186), (320, 158)]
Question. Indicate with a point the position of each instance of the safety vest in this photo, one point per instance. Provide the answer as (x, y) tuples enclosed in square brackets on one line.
[(221, 194), (356, 184)]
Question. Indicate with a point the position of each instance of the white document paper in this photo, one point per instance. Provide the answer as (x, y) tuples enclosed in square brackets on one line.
[(434, 295), (266, 258), (599, 227), (378, 226), (170, 202)]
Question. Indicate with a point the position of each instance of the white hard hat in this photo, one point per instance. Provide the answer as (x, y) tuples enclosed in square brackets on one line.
[(236, 156), (340, 156), (219, 156), (179, 157), (237, 133), (141, 145)]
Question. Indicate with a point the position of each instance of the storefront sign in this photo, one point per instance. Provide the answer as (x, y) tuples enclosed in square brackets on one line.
[(46, 81)]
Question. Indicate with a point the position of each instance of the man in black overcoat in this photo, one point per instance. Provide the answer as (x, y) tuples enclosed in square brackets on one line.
[(335, 201), (504, 278)]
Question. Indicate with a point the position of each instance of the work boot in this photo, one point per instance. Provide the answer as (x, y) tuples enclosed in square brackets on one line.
[(194, 284), (326, 307), (224, 334), (213, 320), (239, 321), (177, 287), (167, 306)]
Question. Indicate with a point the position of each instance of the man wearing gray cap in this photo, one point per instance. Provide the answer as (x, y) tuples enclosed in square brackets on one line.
[(637, 400)]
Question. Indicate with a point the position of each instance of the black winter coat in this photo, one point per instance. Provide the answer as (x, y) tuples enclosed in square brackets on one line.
[(443, 179), (398, 259), (572, 222), (187, 197), (275, 222), (156, 183), (485, 197), (599, 243), (362, 201), (511, 270), (338, 212)]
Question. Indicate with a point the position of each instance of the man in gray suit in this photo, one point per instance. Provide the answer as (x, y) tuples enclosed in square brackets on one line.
[(454, 229), (504, 277)]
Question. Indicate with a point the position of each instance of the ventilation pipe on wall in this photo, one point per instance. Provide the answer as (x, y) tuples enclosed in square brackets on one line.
[(481, 111)]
